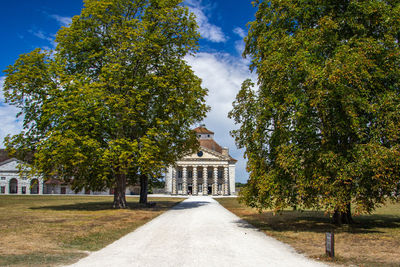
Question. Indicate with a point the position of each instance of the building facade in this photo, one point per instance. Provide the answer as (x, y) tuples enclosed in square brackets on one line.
[(11, 182), (210, 171)]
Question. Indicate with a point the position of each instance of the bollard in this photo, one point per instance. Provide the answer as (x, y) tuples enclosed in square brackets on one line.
[(330, 244)]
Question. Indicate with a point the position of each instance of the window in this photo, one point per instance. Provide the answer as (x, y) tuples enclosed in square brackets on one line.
[(200, 188), (13, 186), (220, 173), (24, 178), (179, 186), (180, 174), (208, 135), (199, 174), (3, 189), (23, 190), (190, 174), (3, 178), (210, 174)]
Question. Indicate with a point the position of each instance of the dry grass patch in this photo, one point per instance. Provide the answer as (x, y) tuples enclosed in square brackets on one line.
[(50, 230), (374, 240)]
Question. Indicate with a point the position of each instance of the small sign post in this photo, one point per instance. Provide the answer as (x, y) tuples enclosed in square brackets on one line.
[(330, 244)]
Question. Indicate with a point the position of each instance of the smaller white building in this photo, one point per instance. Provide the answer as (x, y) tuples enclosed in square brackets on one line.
[(11, 181)]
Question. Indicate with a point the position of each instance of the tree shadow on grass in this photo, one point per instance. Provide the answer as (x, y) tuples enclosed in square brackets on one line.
[(317, 222), (40, 259), (106, 205)]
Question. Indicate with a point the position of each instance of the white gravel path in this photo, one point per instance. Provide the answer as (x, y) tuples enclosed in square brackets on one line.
[(196, 232)]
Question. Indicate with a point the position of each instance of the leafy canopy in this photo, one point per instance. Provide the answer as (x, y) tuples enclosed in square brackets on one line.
[(115, 97), (323, 128)]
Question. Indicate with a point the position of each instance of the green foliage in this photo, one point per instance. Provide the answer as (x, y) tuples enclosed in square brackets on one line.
[(323, 128), (239, 185), (114, 98)]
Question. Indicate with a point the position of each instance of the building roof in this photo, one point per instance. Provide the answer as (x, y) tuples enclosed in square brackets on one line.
[(212, 145), (4, 162), (53, 181), (203, 130)]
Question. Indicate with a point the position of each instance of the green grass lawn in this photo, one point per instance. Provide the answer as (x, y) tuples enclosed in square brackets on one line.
[(374, 240), (52, 230)]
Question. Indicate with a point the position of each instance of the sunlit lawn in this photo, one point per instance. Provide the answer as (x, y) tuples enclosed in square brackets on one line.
[(373, 241), (51, 230)]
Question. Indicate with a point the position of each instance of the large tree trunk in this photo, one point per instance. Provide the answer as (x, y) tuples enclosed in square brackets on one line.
[(119, 192), (340, 217), (144, 184)]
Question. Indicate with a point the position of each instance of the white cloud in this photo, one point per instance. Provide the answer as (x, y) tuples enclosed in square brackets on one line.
[(239, 31), (223, 75), (239, 44), (41, 35), (207, 30), (9, 123), (64, 21), (45, 36), (1, 89)]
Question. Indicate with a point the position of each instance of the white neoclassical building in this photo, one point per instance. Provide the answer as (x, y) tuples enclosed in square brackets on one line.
[(210, 171), (11, 182)]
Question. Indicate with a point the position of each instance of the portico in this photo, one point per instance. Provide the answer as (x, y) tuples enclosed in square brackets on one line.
[(200, 180)]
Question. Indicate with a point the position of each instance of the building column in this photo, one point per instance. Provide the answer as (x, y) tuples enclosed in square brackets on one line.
[(19, 186), (194, 186), (226, 181), (184, 184), (167, 181), (40, 186), (174, 181), (7, 187), (205, 185), (215, 185)]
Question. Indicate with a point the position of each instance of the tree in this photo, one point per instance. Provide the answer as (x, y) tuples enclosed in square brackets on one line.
[(113, 103), (322, 129)]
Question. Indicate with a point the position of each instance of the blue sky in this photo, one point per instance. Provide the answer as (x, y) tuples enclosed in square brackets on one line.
[(26, 25)]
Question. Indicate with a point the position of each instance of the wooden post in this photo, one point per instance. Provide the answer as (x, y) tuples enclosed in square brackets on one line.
[(330, 244)]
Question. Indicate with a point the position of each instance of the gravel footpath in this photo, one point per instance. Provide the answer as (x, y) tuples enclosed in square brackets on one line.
[(196, 232)]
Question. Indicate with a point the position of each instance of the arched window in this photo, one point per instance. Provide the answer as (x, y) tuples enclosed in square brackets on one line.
[(13, 186), (34, 186)]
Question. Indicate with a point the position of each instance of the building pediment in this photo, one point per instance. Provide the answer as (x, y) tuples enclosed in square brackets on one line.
[(10, 165), (206, 154)]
